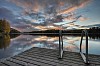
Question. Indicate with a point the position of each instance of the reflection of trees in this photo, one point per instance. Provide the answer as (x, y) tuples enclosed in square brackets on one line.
[(94, 36), (4, 41), (94, 30), (91, 36), (12, 36)]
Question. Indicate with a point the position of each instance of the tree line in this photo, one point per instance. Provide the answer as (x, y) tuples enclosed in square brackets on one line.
[(4, 26), (93, 30)]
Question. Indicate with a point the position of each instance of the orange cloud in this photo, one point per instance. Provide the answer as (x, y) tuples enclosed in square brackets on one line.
[(40, 27), (83, 18), (27, 5), (61, 3), (68, 10), (70, 17), (54, 27), (47, 27), (36, 6), (74, 7)]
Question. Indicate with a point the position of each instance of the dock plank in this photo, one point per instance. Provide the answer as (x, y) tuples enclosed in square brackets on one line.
[(9, 63), (48, 57), (1, 64), (31, 61)]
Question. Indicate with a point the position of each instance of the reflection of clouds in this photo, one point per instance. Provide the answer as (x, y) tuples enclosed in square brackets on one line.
[(70, 47), (36, 41), (52, 42), (53, 39), (41, 38), (45, 42), (24, 42), (73, 38), (69, 43), (45, 38)]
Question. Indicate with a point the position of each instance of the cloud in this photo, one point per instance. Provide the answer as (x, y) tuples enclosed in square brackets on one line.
[(31, 10), (73, 17), (83, 18), (15, 23), (45, 38), (74, 6), (50, 6), (27, 5), (70, 17), (7, 14)]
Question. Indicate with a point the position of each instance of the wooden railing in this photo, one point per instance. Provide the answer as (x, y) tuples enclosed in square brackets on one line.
[(60, 45), (84, 57)]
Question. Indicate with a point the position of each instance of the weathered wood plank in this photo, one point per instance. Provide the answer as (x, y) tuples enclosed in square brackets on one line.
[(33, 61), (21, 62), (51, 58), (1, 64), (8, 63), (48, 57)]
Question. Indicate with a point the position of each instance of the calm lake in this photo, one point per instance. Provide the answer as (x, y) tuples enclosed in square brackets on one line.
[(13, 46)]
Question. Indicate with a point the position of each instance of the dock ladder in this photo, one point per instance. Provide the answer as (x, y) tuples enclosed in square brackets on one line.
[(84, 57)]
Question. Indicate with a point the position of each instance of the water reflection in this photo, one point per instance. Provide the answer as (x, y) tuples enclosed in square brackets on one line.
[(4, 41), (21, 43), (94, 36)]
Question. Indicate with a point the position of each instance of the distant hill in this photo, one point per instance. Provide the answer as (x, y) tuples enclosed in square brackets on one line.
[(12, 30)]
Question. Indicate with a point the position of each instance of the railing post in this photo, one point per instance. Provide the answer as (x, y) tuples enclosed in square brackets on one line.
[(81, 41), (85, 58), (86, 47), (60, 45)]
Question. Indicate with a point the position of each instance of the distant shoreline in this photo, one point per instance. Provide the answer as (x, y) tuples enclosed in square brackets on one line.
[(52, 33)]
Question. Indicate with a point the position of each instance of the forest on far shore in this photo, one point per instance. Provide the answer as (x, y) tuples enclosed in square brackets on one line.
[(6, 29), (93, 30)]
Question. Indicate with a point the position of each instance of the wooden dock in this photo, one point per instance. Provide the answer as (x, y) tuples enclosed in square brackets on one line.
[(48, 57)]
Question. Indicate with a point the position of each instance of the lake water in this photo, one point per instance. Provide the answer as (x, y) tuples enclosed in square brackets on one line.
[(13, 46)]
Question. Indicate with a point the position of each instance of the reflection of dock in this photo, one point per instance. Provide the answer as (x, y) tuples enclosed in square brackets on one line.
[(48, 57)]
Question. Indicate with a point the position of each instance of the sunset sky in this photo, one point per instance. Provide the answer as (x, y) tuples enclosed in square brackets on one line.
[(30, 15)]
